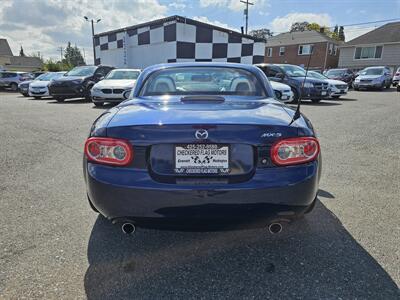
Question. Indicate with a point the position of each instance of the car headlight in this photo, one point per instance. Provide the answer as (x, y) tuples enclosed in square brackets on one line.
[(308, 85)]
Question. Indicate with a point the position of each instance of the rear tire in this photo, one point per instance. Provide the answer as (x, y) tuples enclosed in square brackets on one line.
[(37, 98), (311, 207), (14, 87), (315, 100), (60, 100), (356, 89), (91, 205), (98, 104), (25, 95)]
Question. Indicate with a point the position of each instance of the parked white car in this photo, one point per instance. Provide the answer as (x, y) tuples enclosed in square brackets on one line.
[(337, 87), (39, 87), (396, 78), (282, 91), (113, 86)]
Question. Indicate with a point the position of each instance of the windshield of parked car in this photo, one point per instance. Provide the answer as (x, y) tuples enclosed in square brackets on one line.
[(123, 74), (81, 71), (336, 72), (293, 71), (203, 81), (317, 75), (373, 71), (48, 76)]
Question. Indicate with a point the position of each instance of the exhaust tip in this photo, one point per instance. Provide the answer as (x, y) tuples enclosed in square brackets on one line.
[(275, 228), (128, 228)]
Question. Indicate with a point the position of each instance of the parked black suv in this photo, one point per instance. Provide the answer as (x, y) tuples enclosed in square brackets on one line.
[(292, 75), (78, 82)]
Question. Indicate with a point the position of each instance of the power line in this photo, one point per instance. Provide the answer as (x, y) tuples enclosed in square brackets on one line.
[(354, 24)]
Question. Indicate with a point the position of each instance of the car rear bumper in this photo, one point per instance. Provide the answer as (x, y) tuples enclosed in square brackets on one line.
[(339, 92), (368, 85), (99, 96), (43, 92), (67, 92), (132, 193), (311, 93)]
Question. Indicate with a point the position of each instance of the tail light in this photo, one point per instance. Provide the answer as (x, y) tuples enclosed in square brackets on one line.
[(295, 151), (108, 151)]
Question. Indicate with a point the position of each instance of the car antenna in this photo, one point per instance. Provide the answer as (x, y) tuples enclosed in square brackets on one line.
[(297, 113)]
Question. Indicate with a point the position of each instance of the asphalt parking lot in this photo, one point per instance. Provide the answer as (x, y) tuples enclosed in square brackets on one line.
[(53, 246)]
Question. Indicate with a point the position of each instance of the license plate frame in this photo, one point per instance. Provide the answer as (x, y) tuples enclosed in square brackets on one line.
[(196, 168)]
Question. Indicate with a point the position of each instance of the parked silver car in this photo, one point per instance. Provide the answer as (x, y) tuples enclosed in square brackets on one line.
[(12, 79), (373, 77)]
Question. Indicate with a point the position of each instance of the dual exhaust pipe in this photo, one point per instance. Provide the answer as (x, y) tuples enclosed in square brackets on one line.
[(130, 228), (275, 227)]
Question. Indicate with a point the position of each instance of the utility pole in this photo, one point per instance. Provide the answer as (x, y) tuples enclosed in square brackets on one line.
[(92, 21), (246, 12)]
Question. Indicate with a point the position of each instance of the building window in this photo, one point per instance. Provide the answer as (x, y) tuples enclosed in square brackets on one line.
[(305, 49), (269, 52), (330, 49), (281, 51), (374, 52)]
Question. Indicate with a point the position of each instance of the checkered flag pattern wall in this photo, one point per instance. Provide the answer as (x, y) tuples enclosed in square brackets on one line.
[(179, 40)]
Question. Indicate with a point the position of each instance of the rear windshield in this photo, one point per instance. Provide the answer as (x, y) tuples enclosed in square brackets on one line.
[(123, 74), (48, 76), (316, 75), (203, 81), (335, 72), (82, 71), (293, 71), (374, 71)]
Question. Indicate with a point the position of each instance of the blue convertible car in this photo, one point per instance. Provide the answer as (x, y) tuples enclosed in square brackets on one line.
[(201, 142)]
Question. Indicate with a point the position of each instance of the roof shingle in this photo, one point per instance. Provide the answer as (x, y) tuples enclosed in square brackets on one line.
[(388, 33), (299, 37)]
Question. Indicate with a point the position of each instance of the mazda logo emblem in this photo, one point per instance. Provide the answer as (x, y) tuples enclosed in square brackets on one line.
[(201, 134)]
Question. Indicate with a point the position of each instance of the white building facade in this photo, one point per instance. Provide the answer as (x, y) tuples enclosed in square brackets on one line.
[(175, 39)]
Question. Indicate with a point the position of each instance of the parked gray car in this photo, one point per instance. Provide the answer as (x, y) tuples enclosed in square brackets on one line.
[(12, 79), (373, 77)]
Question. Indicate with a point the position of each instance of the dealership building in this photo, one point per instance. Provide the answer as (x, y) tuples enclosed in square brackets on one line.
[(175, 39)]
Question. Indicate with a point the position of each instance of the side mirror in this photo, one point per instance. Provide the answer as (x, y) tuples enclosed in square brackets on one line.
[(278, 94), (280, 75), (126, 94)]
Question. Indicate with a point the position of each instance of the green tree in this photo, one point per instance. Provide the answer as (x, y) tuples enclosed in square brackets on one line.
[(341, 34), (262, 33), (73, 56), (299, 26)]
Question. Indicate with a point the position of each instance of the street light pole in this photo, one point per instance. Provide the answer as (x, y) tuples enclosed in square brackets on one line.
[(92, 22)]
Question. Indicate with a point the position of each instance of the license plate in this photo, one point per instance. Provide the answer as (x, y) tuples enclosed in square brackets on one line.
[(202, 159), (323, 93)]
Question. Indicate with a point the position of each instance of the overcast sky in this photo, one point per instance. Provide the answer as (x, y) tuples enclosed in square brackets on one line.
[(45, 25)]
